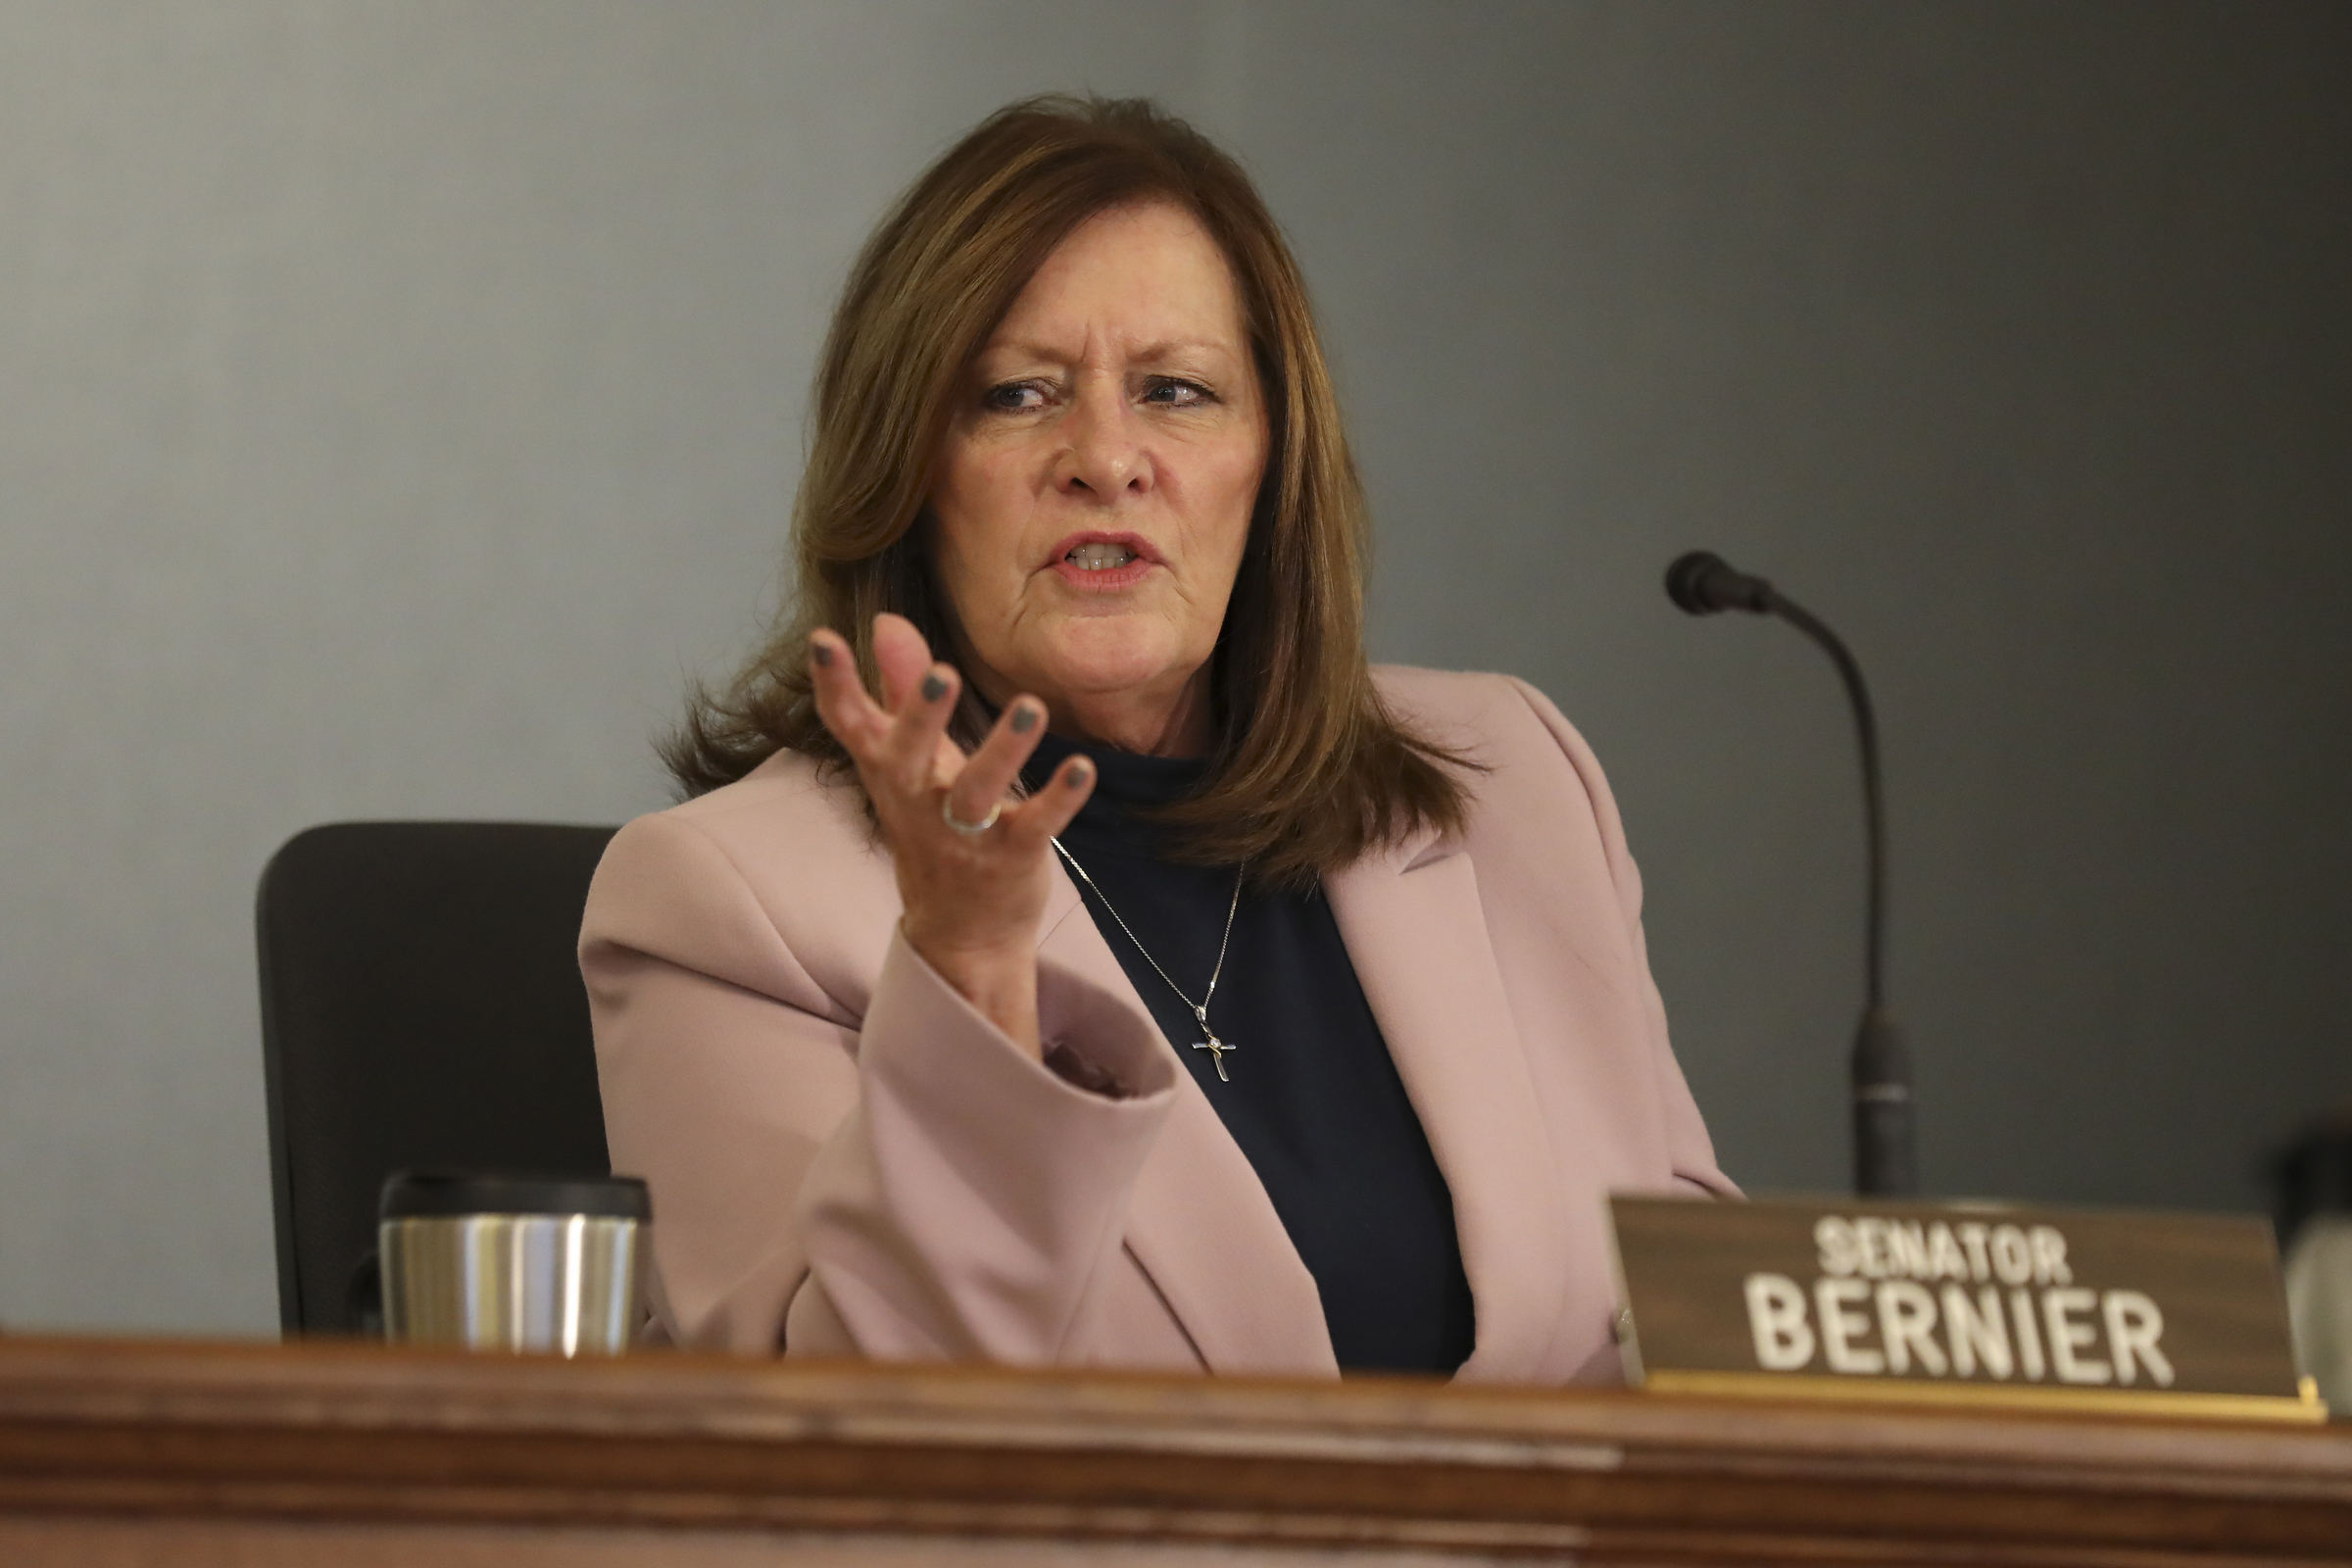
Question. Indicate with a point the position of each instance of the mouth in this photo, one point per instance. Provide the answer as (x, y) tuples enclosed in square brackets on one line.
[(1100, 557), (1104, 560)]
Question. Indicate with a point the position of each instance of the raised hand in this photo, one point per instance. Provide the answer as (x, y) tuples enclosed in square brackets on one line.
[(972, 862)]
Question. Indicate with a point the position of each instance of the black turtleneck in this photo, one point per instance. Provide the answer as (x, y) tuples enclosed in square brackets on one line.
[(1313, 1098)]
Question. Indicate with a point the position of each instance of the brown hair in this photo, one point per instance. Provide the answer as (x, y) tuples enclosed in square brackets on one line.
[(1307, 768)]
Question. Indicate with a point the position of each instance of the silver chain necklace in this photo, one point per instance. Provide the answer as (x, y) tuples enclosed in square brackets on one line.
[(1215, 1048)]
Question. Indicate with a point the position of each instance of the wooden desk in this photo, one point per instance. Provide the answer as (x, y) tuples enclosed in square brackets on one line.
[(213, 1454)]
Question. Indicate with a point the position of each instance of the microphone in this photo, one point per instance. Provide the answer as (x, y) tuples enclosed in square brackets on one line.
[(1886, 1161)]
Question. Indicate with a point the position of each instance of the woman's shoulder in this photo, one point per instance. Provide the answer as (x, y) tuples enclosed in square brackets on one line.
[(1533, 769), (789, 803), (780, 813), (1495, 718), (781, 851), (785, 793)]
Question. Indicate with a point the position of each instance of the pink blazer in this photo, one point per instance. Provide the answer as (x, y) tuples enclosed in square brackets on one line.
[(846, 1159)]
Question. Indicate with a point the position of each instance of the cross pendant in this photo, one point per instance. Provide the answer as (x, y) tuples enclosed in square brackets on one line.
[(1216, 1050)]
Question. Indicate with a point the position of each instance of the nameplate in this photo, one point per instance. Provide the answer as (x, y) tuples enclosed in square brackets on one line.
[(2168, 1314)]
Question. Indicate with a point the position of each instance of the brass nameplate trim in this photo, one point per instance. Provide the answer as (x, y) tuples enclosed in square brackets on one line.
[(2306, 1409)]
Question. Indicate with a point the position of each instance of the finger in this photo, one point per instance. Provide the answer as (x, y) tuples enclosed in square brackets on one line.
[(1049, 810), (841, 697), (902, 656), (947, 760), (985, 778), (921, 724)]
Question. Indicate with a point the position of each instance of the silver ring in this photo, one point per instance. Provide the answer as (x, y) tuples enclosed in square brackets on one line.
[(947, 815)]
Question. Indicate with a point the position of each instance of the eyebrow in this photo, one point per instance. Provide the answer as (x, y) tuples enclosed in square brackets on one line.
[(1165, 349)]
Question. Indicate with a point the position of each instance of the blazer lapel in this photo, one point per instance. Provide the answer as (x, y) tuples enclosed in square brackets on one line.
[(1417, 936), (1199, 1222)]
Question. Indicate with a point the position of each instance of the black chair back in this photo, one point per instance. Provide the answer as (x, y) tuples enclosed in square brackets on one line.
[(421, 1007)]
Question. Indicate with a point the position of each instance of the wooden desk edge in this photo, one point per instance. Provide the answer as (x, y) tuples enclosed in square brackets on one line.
[(346, 1429)]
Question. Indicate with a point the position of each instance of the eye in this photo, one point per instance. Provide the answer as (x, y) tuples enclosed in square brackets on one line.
[(1174, 392), (1016, 397)]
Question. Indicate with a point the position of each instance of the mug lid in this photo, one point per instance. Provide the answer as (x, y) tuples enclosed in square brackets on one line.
[(425, 1193)]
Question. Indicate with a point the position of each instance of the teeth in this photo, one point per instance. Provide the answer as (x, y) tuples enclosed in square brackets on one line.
[(1099, 557)]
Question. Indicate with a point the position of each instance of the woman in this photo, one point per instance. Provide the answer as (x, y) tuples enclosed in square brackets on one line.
[(1072, 951)]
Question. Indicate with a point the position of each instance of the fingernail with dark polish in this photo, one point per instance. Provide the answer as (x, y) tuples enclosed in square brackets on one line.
[(822, 652), (1024, 719), (934, 688), (1079, 775)]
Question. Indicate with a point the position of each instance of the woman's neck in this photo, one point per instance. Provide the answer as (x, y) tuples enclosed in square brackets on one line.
[(1167, 728)]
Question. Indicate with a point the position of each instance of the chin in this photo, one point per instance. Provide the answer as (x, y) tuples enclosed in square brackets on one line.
[(1106, 657)]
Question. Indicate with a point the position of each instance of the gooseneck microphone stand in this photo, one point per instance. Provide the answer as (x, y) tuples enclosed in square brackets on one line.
[(1886, 1161)]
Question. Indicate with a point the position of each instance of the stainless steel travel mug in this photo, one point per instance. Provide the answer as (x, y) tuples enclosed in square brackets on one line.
[(515, 1264)]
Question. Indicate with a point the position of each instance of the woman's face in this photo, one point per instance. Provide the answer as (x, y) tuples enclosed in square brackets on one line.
[(1097, 484)]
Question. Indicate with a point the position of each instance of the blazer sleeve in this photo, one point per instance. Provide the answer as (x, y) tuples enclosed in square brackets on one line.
[(906, 1184), (1689, 1148)]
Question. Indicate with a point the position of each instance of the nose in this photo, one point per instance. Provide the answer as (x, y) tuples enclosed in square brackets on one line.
[(1104, 457)]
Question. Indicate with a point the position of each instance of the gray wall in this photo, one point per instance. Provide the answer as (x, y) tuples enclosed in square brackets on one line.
[(398, 401)]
